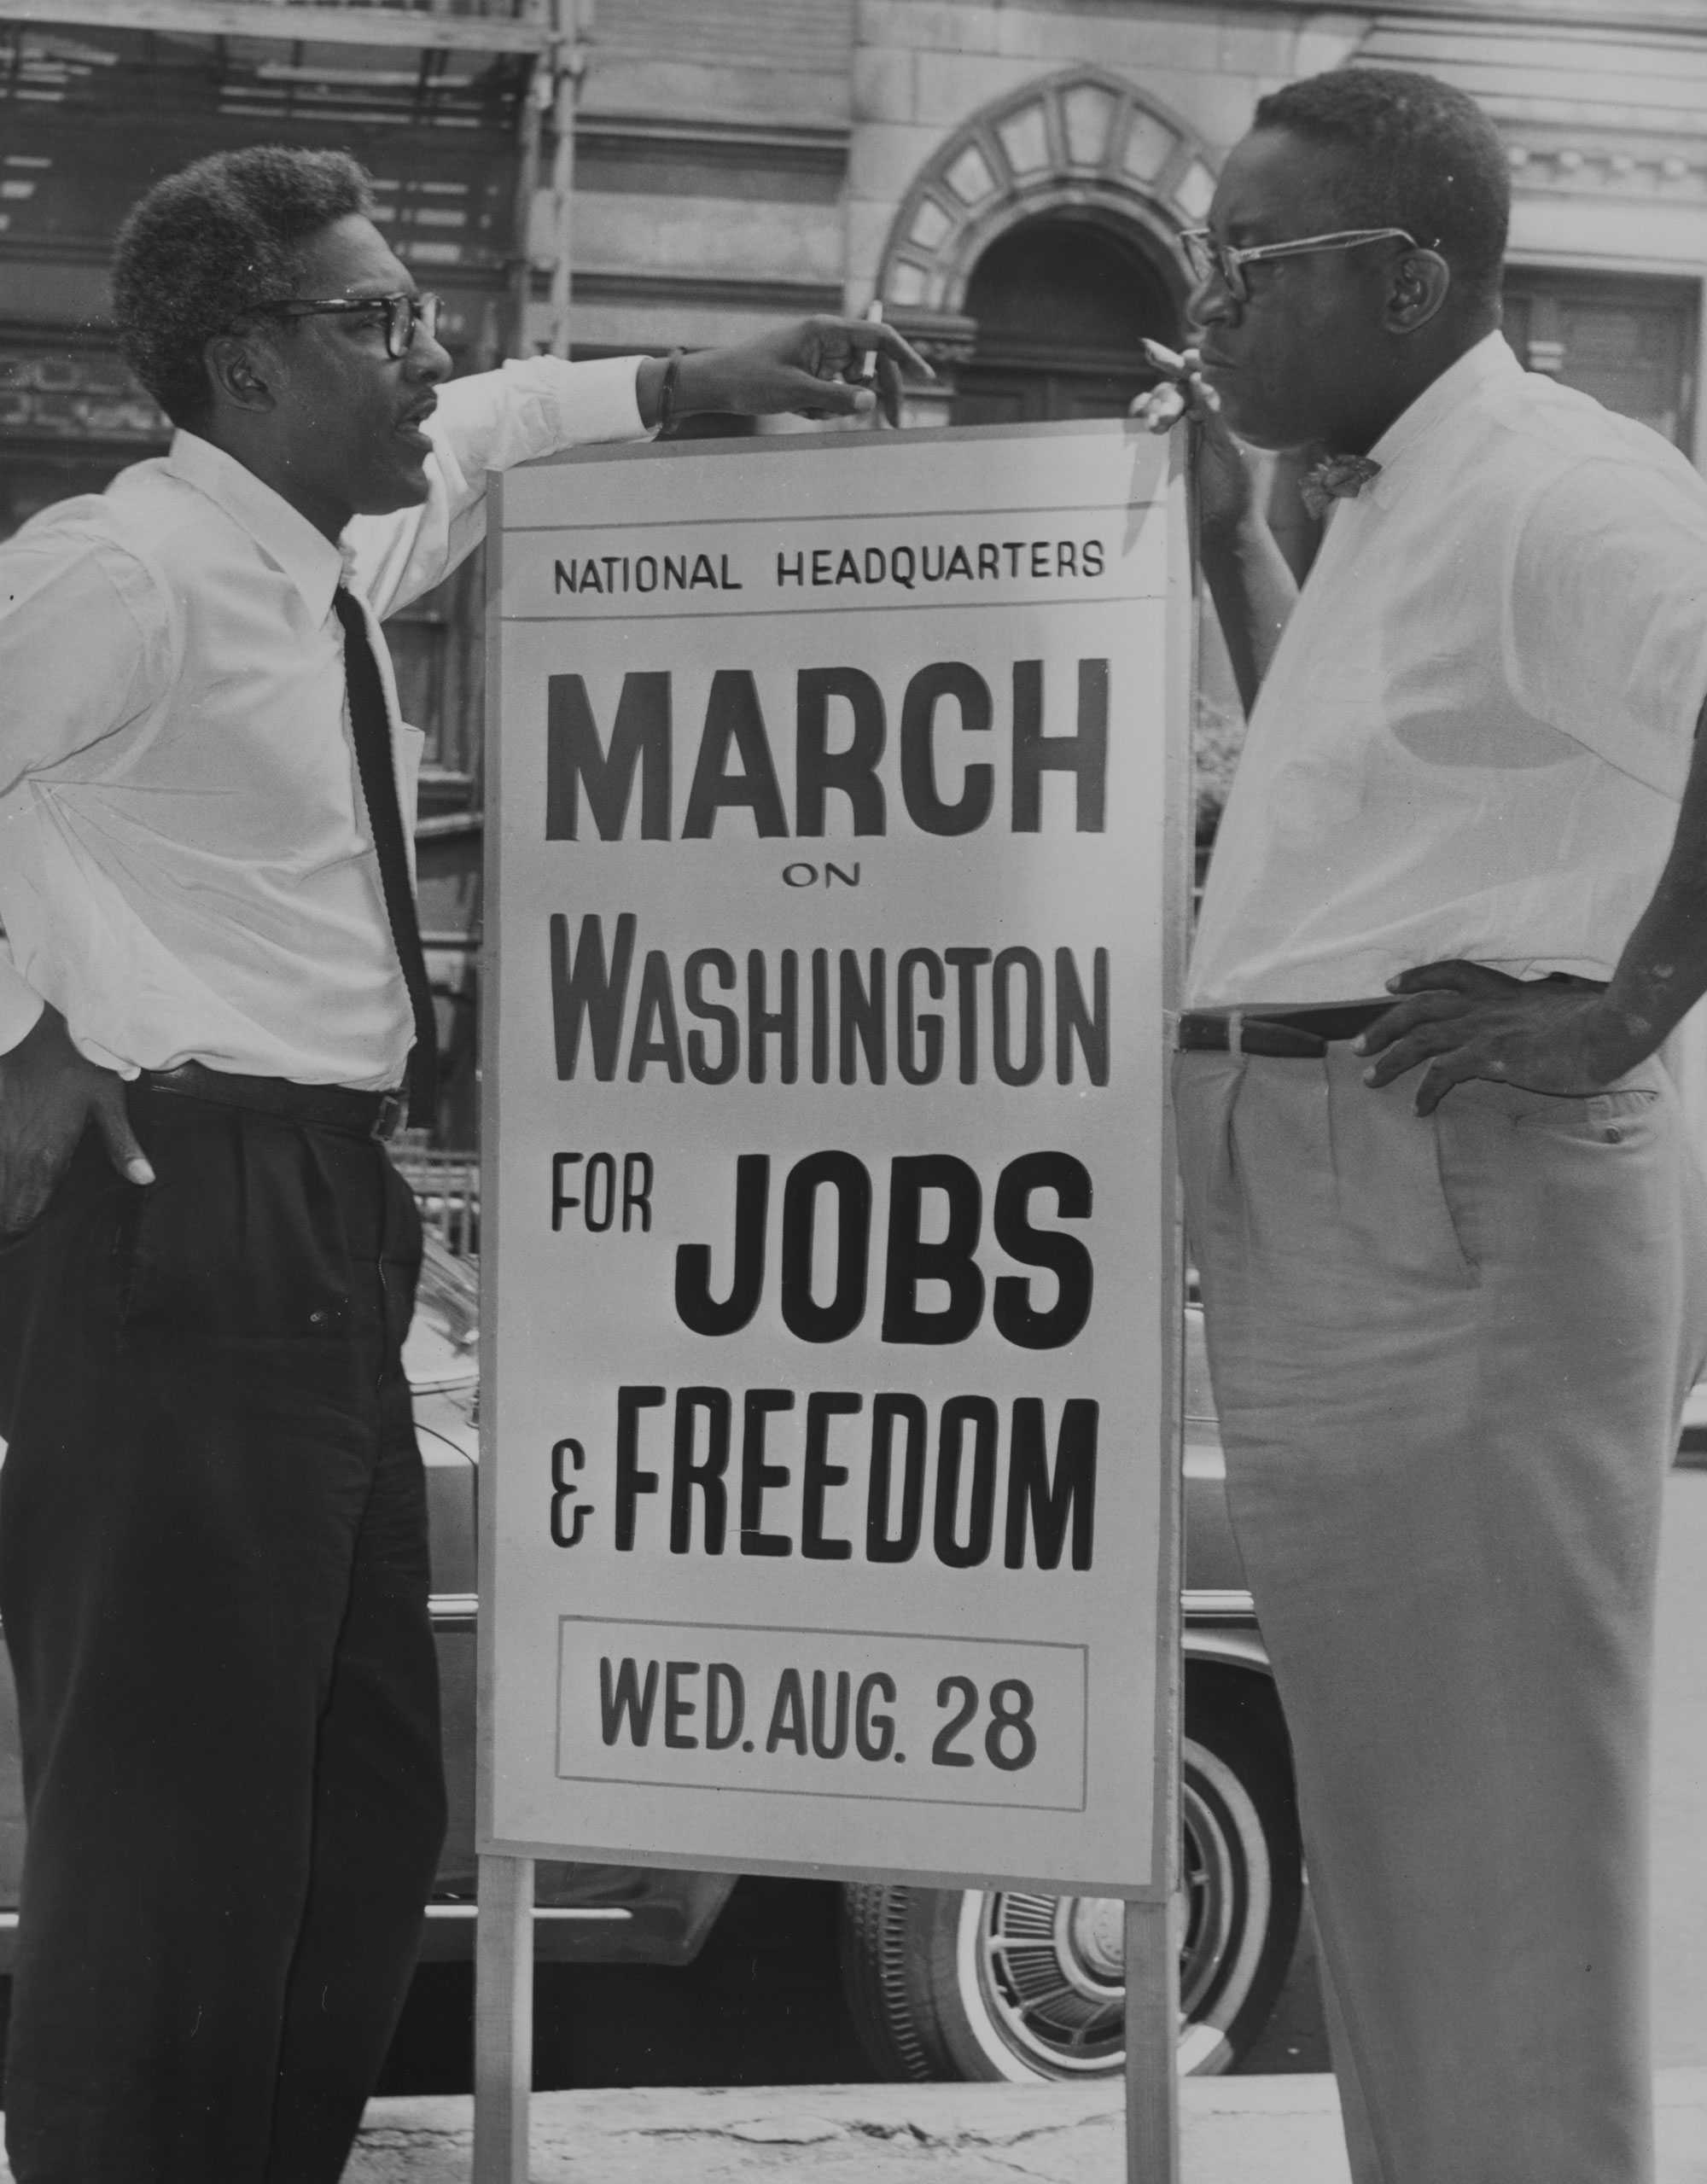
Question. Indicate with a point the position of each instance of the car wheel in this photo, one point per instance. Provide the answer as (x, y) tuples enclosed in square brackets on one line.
[(992, 1983)]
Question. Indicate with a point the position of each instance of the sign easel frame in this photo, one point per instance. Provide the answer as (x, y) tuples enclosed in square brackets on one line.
[(503, 1956)]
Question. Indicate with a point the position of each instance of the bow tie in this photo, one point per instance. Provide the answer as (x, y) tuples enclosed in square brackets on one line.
[(1335, 477)]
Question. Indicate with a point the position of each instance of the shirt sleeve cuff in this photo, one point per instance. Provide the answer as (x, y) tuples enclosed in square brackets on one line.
[(21, 1006)]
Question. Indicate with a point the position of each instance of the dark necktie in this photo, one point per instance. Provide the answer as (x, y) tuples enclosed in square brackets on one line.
[(371, 731)]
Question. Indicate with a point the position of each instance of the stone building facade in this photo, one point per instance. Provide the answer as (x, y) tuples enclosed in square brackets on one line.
[(1008, 178)]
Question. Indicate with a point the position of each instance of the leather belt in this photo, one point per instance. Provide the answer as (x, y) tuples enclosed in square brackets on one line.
[(1288, 1034), (327, 1107)]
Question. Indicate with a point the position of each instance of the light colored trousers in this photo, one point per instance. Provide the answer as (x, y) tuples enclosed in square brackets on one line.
[(1449, 1355)]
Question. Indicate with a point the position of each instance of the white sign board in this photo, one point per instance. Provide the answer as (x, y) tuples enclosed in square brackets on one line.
[(827, 1510)]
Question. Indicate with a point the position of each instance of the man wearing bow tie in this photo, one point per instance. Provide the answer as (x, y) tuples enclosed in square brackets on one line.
[(213, 1528), (1453, 1246)]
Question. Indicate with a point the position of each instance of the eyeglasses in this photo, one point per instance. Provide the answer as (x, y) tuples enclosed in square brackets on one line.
[(400, 314), (1209, 260)]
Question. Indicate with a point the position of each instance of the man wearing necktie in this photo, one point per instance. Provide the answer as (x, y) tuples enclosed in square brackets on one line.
[(213, 1537), (1453, 1246)]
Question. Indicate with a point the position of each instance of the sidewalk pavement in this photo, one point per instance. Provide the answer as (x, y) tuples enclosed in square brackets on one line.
[(1234, 2130)]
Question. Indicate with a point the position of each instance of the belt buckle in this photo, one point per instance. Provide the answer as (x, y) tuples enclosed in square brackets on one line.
[(390, 1114)]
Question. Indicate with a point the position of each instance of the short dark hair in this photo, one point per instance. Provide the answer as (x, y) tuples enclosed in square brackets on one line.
[(208, 244), (1426, 158)]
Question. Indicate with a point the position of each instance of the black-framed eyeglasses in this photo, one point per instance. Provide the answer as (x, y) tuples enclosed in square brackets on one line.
[(1209, 260), (399, 315)]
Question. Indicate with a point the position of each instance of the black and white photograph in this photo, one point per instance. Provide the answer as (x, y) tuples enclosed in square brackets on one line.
[(853, 1091)]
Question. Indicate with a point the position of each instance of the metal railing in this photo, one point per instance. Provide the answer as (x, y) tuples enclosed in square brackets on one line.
[(490, 11), (447, 1187)]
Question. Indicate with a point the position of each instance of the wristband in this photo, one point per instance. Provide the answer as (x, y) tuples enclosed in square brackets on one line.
[(667, 392)]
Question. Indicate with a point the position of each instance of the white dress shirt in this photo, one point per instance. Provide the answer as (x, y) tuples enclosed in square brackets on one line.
[(1473, 736), (185, 866)]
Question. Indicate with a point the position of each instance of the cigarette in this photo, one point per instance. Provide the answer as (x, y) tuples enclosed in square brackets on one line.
[(874, 314), (1165, 360)]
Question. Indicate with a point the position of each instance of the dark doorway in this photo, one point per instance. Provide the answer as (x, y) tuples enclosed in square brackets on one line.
[(1061, 303)]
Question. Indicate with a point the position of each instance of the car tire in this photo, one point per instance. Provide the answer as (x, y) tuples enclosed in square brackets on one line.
[(1017, 1984)]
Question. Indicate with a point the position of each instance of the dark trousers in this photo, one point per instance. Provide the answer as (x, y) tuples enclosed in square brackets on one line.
[(214, 1579)]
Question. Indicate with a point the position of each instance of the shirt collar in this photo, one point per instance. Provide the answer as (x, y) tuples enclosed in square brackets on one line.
[(1491, 363), (313, 563)]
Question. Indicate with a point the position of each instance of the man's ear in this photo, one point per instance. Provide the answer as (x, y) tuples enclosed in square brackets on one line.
[(1421, 281), (239, 372)]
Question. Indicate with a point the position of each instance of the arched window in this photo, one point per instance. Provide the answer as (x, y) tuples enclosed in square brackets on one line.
[(1040, 243)]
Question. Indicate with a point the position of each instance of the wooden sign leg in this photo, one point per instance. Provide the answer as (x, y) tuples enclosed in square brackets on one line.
[(503, 2020), (1152, 2037)]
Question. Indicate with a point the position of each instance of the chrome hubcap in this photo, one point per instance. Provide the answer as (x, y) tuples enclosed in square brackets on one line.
[(1051, 1970)]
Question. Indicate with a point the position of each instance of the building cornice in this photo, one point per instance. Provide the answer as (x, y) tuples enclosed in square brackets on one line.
[(818, 147), (1619, 164), (291, 23), (714, 291), (1619, 17)]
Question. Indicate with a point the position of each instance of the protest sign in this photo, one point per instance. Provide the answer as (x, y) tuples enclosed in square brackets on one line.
[(834, 862)]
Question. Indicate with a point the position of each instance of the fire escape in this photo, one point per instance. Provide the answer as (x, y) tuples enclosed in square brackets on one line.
[(462, 111)]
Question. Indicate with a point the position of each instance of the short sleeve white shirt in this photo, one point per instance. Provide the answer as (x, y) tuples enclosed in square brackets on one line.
[(1474, 735)]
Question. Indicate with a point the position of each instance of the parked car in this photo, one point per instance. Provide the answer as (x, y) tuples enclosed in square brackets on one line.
[(942, 1983)]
